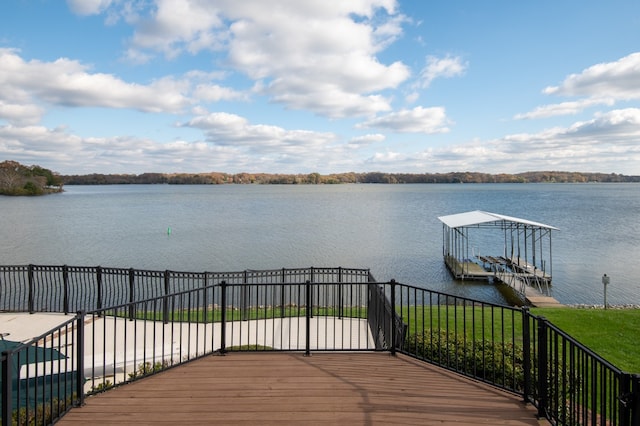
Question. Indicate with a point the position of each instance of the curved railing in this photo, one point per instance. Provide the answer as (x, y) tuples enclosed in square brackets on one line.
[(134, 323)]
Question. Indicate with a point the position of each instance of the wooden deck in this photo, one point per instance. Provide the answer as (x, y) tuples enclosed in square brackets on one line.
[(289, 388)]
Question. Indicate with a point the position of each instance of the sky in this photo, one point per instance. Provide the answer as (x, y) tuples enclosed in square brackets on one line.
[(326, 86)]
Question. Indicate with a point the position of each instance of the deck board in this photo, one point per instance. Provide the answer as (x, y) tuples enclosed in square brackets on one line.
[(290, 388)]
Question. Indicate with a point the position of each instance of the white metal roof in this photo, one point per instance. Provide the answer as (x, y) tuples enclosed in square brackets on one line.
[(478, 217)]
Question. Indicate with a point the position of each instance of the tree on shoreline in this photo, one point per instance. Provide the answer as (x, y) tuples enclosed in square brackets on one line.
[(17, 179), (216, 178)]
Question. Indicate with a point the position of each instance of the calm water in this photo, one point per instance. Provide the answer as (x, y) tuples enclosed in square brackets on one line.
[(391, 229)]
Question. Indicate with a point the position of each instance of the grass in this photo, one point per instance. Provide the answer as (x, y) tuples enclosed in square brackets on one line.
[(252, 313), (468, 320), (613, 333)]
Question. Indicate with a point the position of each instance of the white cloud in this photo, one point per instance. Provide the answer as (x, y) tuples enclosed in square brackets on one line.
[(20, 114), (308, 55), (226, 129), (602, 144), (365, 140), (26, 87), (617, 80), (68, 83), (563, 108), (416, 120), (327, 100), (609, 141), (215, 93), (176, 26), (600, 84), (67, 153), (446, 67)]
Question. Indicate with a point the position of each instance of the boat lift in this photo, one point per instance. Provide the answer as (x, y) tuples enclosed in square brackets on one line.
[(519, 255)]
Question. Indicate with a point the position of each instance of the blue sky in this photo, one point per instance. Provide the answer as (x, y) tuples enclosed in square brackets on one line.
[(328, 86)]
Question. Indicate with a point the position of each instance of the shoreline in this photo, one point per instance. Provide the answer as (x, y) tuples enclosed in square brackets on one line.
[(601, 306)]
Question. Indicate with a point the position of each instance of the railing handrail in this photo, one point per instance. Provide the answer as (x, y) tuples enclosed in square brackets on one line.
[(393, 312)]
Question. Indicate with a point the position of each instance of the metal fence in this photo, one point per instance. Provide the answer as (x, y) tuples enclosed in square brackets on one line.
[(43, 378), (519, 352), (190, 315), (37, 288)]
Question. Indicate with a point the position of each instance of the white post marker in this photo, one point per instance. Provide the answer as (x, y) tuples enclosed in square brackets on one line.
[(605, 281)]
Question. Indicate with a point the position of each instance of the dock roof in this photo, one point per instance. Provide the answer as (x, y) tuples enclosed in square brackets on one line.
[(479, 217)]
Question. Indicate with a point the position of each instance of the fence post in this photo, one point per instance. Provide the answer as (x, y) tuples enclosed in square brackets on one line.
[(340, 303), (543, 365), (131, 293), (205, 298), (31, 289), (625, 399), (99, 285), (393, 317), (307, 351), (223, 317), (65, 280), (526, 353), (80, 357), (282, 298), (310, 304), (165, 299), (635, 405), (629, 400), (244, 302), (7, 382)]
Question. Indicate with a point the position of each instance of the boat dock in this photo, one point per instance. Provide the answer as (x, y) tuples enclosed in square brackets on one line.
[(531, 285), (523, 265)]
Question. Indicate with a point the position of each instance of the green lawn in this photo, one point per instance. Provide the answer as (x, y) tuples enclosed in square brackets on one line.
[(613, 333), (215, 314)]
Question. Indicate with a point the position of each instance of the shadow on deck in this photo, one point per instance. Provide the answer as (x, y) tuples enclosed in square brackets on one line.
[(290, 388)]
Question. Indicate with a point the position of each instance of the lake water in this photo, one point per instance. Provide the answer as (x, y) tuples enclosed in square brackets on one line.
[(393, 230)]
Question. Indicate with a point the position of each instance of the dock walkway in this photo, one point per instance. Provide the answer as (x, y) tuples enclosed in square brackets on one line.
[(524, 279)]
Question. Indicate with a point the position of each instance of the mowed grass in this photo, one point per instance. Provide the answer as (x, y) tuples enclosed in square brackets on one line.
[(614, 334), (252, 313)]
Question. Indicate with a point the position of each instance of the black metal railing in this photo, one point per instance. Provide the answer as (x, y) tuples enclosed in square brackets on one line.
[(132, 340), (44, 377), (574, 386), (190, 315), (37, 288), (519, 352)]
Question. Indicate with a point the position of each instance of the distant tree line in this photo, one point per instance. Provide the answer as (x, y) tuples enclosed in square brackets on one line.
[(17, 179), (216, 178)]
